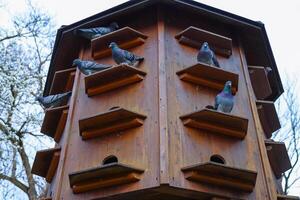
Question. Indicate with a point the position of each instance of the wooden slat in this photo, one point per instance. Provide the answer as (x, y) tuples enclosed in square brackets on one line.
[(53, 166), (221, 175), (268, 117), (287, 197), (278, 157), (217, 122), (109, 122), (52, 120), (43, 160), (103, 176), (112, 78), (125, 37), (260, 82), (63, 81), (195, 37), (61, 126), (209, 76)]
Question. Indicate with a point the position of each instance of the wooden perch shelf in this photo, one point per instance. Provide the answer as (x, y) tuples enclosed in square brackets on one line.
[(195, 37), (55, 121), (268, 117), (112, 78), (116, 120), (63, 81), (209, 76), (287, 197), (278, 157), (104, 176), (221, 175), (260, 82), (126, 38), (217, 122), (45, 163)]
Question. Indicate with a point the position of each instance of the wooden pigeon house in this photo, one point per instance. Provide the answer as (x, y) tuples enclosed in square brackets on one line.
[(145, 132)]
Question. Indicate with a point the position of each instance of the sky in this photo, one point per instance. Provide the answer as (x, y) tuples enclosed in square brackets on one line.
[(281, 19)]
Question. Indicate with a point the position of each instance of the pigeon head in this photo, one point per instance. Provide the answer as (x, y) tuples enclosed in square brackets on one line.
[(113, 45), (204, 46), (114, 26), (39, 99), (76, 62), (227, 87)]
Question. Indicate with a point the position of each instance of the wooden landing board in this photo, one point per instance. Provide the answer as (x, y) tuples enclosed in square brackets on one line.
[(63, 81), (125, 38), (103, 176), (112, 121), (221, 175), (260, 82), (209, 76), (217, 122), (112, 78), (195, 37)]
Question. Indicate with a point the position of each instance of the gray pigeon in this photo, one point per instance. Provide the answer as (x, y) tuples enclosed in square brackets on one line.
[(54, 100), (89, 67), (224, 101), (122, 56), (206, 55), (91, 33)]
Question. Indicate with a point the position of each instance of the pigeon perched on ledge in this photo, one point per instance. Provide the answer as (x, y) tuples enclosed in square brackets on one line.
[(122, 56), (89, 67), (91, 33), (54, 100), (224, 101), (207, 56)]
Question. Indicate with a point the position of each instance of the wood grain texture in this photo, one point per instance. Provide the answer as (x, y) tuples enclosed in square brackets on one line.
[(61, 126)]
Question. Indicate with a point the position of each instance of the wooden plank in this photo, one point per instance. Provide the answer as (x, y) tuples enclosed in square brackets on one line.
[(209, 76), (103, 176), (221, 175), (112, 78), (119, 126), (268, 117), (61, 126), (52, 120), (125, 37), (195, 37), (106, 182), (217, 122), (260, 82), (42, 161), (115, 120), (63, 81), (53, 166), (278, 157)]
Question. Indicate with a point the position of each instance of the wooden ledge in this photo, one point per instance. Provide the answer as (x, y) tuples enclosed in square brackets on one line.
[(54, 122), (209, 76), (217, 122), (268, 117), (287, 197), (195, 37), (46, 162), (63, 81), (278, 157), (125, 37), (112, 78), (260, 82), (116, 120), (103, 176), (221, 175)]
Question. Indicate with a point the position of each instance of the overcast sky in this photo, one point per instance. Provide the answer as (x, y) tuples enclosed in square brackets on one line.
[(281, 19)]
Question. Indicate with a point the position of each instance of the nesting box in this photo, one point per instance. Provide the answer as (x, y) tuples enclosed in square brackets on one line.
[(145, 132)]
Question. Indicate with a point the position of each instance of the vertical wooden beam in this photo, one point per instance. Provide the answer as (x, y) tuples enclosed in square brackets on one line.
[(162, 95), (269, 184)]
